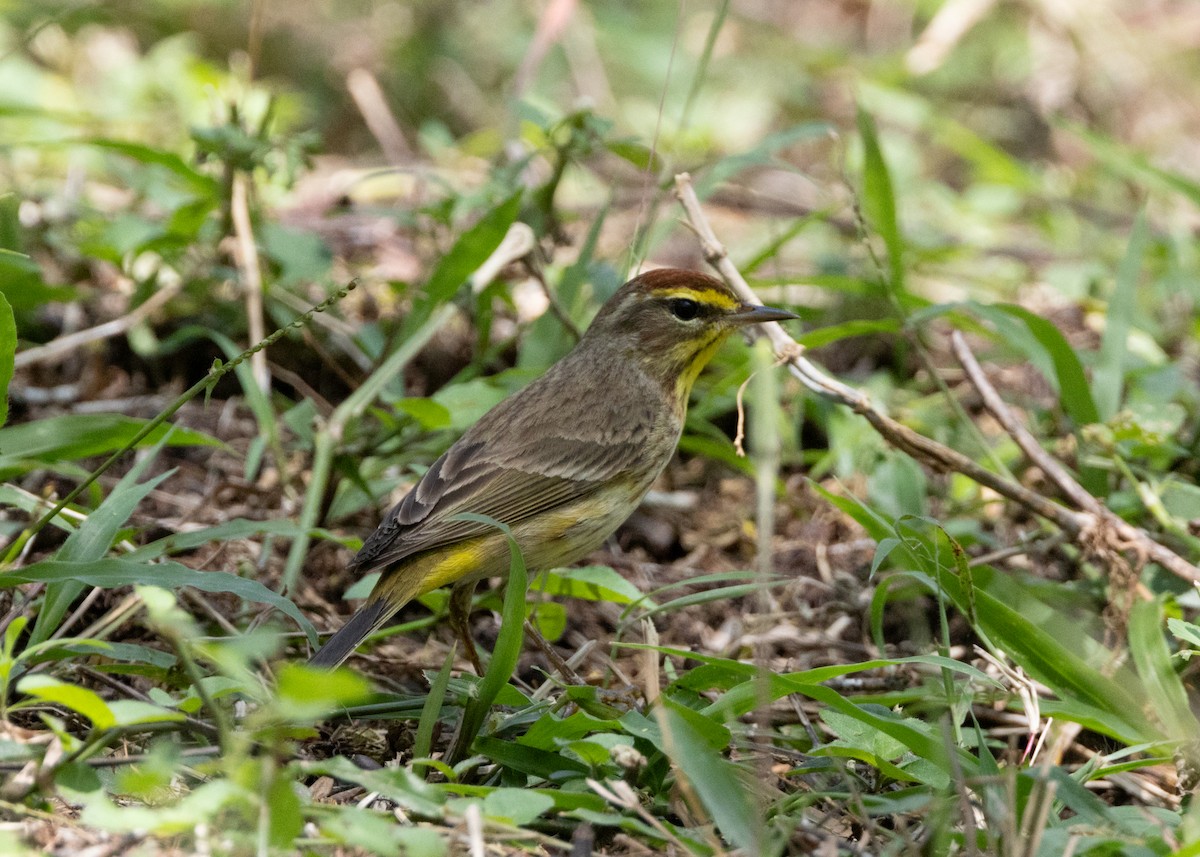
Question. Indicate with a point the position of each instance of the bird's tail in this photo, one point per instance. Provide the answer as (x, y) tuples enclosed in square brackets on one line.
[(369, 618)]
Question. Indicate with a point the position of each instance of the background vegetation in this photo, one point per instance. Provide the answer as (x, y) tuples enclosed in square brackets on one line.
[(827, 647)]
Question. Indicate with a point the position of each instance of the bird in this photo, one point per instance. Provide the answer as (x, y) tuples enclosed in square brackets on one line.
[(562, 462)]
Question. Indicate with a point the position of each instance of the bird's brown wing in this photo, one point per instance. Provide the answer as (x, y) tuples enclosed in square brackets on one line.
[(468, 479)]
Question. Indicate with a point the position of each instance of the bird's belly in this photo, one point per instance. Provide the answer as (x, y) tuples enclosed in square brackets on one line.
[(562, 537), (552, 539)]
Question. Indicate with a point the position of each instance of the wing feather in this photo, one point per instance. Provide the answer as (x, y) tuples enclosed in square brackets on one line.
[(471, 480), (535, 452)]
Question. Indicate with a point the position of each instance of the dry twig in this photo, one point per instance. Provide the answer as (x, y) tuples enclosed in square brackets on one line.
[(1099, 529), (250, 274), (372, 104), (63, 346)]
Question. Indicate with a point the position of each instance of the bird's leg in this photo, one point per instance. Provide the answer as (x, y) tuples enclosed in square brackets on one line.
[(460, 615), (556, 661)]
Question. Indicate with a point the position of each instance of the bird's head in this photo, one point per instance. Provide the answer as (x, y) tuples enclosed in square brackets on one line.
[(672, 321)]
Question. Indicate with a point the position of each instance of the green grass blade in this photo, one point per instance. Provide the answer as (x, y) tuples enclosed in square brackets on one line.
[(169, 161), (110, 573), (1068, 376), (91, 541), (8, 354), (715, 780), (879, 202), (74, 436), (710, 41), (423, 742), (1053, 648), (1109, 373), (470, 251), (1166, 695), (1136, 165), (925, 740), (726, 168), (508, 646), (836, 332), (237, 528)]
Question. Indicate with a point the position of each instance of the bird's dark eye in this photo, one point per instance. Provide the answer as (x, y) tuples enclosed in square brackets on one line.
[(684, 309)]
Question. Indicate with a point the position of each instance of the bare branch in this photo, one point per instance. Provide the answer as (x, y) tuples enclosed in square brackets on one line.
[(58, 349), (1079, 525), (1108, 530)]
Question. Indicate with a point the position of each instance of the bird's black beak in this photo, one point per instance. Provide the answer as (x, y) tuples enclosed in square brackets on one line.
[(751, 314)]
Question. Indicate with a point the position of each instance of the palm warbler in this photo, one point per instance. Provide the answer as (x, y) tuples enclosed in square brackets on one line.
[(563, 462)]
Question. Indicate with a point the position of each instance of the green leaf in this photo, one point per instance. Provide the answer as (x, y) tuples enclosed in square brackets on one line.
[(123, 652), (95, 535), (1185, 632), (723, 791), (399, 785), (75, 436), (879, 200), (922, 739), (1068, 376), (707, 596), (91, 541), (549, 618), (1136, 165), (847, 329), (285, 818), (372, 832), (749, 692), (1065, 658), (362, 587), (845, 750), (1165, 693), (8, 351), (922, 115), (589, 583), (641, 156), (518, 807), (882, 551), (202, 804), (305, 694), (467, 401), (80, 700), (420, 841), (22, 285), (302, 256), (110, 573), (762, 153), (134, 712), (12, 496), (636, 827), (471, 250), (238, 528), (897, 486), (11, 634), (172, 163), (77, 780), (877, 527), (549, 731), (432, 709), (855, 733), (532, 761), (427, 412)]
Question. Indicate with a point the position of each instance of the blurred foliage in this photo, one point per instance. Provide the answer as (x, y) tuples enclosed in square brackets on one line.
[(892, 170)]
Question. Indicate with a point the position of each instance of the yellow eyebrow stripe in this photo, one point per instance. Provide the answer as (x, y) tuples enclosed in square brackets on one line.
[(712, 297)]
